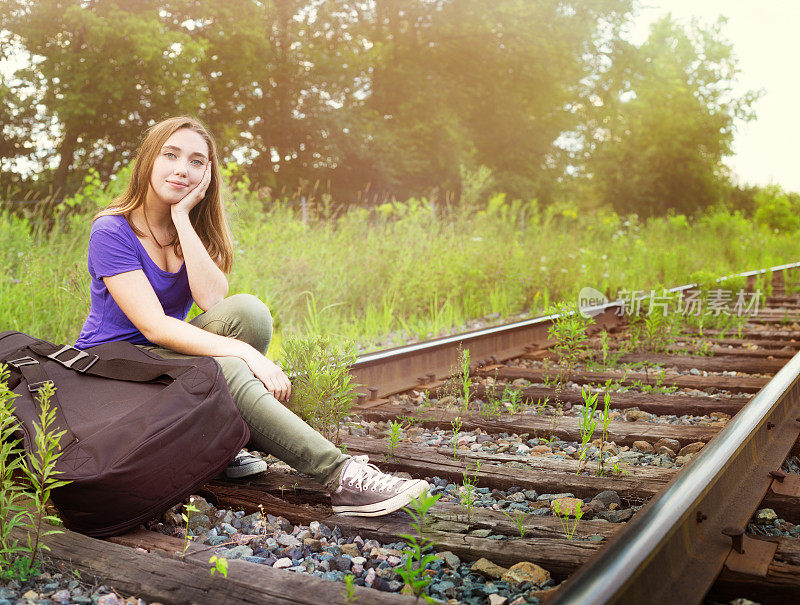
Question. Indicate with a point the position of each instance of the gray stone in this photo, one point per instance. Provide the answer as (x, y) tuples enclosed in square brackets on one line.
[(237, 552), (440, 587), (635, 415), (549, 497), (629, 457), (61, 596), (517, 497), (288, 540), (313, 544), (608, 497), (340, 563), (531, 494), (450, 559)]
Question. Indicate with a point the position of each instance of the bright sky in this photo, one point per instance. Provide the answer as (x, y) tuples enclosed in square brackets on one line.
[(765, 40)]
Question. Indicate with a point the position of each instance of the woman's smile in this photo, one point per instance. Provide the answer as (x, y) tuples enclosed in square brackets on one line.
[(178, 167)]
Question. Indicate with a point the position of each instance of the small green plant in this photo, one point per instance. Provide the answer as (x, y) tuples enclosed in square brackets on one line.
[(658, 387), (322, 391), (395, 435), (41, 471), (469, 488), (700, 347), (569, 522), (350, 589), (587, 423), (492, 408), (617, 469), (464, 375), (513, 398), (519, 518), (569, 332), (189, 509), (13, 513), (412, 569), (608, 358), (655, 330), (542, 404), (556, 411), (220, 565), (456, 424), (605, 420)]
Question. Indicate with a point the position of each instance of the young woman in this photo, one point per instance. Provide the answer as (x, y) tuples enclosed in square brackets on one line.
[(164, 243)]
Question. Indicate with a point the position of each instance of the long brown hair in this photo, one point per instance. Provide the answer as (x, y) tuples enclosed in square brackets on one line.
[(207, 217)]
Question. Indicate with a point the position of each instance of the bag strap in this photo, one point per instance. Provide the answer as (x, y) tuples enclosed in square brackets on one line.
[(117, 368), (36, 377)]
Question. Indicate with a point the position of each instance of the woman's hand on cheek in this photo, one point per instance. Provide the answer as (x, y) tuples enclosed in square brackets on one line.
[(191, 199)]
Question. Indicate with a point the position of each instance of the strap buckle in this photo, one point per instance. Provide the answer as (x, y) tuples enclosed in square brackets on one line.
[(80, 355), (22, 361), (37, 386)]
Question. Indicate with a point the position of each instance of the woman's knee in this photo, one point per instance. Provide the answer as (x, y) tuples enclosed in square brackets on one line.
[(253, 318)]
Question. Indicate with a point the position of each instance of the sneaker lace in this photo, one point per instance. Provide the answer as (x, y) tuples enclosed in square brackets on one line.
[(365, 475)]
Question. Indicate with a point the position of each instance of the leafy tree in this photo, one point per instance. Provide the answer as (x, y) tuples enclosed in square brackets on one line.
[(283, 76), (664, 121), (777, 209), (107, 70), (464, 84), (17, 119)]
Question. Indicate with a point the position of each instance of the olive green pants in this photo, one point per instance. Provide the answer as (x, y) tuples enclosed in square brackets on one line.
[(274, 429)]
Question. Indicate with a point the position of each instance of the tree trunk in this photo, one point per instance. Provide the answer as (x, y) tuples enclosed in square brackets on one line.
[(66, 151)]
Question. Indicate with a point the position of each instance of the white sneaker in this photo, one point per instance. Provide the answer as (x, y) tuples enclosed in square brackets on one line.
[(365, 491), (245, 465)]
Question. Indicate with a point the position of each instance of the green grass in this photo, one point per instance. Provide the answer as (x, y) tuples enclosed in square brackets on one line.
[(384, 276)]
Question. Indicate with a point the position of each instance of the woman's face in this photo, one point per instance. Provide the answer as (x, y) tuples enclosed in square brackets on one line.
[(178, 167)]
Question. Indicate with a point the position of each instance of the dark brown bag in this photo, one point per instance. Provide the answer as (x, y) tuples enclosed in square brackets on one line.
[(142, 432)]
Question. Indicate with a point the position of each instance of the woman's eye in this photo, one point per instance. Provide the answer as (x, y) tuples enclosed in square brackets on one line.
[(198, 162), (169, 153)]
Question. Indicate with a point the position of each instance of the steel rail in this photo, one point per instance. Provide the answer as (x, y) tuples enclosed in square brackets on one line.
[(393, 370), (674, 548)]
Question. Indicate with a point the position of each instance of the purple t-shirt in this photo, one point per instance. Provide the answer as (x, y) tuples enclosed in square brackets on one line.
[(113, 249)]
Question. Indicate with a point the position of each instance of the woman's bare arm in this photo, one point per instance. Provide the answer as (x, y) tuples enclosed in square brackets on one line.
[(207, 282), (137, 299)]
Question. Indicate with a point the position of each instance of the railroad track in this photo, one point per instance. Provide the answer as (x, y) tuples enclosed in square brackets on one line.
[(693, 449)]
